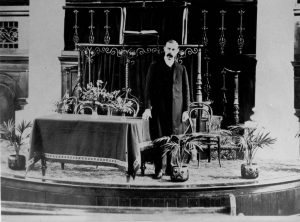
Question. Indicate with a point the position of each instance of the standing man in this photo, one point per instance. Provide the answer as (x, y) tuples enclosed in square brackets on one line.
[(167, 97)]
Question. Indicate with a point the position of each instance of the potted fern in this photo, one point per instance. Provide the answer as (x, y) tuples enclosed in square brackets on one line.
[(180, 149), (249, 139), (16, 137)]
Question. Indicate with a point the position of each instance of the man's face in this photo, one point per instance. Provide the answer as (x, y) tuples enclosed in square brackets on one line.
[(171, 50)]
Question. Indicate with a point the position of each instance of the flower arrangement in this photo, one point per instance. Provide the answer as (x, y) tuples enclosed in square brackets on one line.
[(98, 98), (122, 105), (98, 93), (67, 104)]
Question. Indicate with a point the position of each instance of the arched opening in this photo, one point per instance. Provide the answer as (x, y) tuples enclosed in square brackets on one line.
[(7, 97)]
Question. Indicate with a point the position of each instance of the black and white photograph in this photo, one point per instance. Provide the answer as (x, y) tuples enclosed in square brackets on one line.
[(150, 110)]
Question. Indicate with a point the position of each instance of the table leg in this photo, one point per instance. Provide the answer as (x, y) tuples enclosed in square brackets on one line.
[(208, 148), (44, 166)]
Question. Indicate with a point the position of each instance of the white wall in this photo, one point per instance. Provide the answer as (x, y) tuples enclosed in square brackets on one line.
[(274, 105), (45, 45)]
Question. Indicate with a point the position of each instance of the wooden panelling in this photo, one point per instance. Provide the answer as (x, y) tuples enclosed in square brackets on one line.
[(22, 195), (256, 204), (273, 203), (253, 199)]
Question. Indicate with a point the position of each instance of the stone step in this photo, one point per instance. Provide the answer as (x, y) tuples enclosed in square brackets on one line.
[(26, 208)]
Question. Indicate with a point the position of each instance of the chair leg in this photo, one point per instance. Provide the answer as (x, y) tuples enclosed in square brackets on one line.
[(219, 150), (209, 153), (143, 165), (208, 149)]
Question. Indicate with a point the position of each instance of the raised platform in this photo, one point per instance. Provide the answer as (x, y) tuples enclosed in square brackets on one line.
[(276, 197), (210, 190)]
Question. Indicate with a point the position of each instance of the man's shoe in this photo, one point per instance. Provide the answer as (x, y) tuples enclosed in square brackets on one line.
[(159, 175)]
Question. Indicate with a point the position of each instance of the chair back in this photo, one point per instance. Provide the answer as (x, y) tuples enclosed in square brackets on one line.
[(200, 117), (84, 108), (131, 100)]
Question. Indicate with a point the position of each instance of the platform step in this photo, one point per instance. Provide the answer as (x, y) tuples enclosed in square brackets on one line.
[(25, 208)]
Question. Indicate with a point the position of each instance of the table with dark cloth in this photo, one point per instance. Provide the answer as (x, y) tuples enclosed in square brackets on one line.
[(88, 139)]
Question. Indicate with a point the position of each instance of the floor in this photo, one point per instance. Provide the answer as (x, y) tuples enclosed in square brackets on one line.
[(205, 174)]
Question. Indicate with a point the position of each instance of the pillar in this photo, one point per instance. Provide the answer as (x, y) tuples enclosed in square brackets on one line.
[(46, 32), (274, 96)]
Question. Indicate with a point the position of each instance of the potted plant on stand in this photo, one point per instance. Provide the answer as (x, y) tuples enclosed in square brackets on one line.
[(249, 139), (180, 148), (16, 137)]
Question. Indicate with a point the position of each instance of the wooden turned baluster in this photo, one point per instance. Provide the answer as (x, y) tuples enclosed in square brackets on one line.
[(236, 98), (236, 107)]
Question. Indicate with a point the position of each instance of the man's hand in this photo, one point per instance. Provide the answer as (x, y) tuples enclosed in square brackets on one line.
[(147, 114), (185, 116)]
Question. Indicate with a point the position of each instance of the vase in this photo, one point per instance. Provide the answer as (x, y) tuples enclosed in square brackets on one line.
[(102, 111), (16, 162), (249, 171), (94, 113), (117, 113), (70, 108), (180, 174)]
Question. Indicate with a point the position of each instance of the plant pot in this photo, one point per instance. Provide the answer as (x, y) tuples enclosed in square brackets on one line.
[(118, 113), (102, 111), (249, 171), (16, 162), (180, 174), (70, 108)]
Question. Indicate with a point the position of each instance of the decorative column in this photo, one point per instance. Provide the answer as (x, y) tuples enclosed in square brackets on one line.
[(185, 24), (274, 96), (199, 79)]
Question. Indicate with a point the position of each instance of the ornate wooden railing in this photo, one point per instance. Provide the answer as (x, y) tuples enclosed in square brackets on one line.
[(87, 52)]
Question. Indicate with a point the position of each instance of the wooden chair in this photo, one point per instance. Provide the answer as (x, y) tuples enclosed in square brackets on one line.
[(84, 108), (127, 97), (200, 123), (200, 116)]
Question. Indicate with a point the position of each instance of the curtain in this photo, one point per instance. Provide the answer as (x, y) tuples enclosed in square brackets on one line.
[(167, 21), (111, 69)]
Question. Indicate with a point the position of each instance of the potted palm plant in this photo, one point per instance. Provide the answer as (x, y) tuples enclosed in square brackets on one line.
[(249, 139), (16, 137), (180, 149)]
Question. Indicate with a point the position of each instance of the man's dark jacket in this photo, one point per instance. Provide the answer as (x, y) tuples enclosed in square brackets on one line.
[(167, 95)]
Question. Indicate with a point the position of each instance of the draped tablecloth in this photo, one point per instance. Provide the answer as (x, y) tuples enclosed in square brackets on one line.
[(88, 139)]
